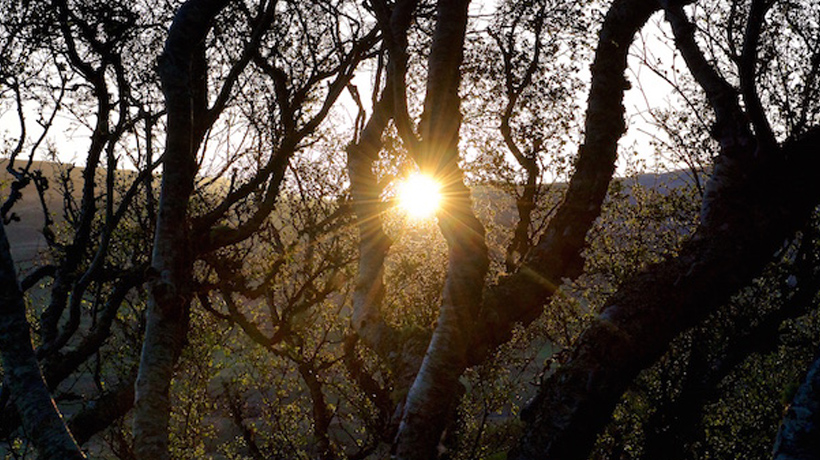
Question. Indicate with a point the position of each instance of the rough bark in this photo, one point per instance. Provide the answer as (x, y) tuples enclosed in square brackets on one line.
[(557, 255), (676, 423), (27, 387), (742, 224), (183, 73), (799, 434)]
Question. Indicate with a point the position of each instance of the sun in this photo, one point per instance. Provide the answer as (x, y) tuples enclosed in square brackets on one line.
[(419, 196)]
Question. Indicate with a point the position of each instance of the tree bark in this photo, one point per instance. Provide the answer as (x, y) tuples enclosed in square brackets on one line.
[(742, 223), (642, 318), (676, 422), (374, 244), (799, 434), (183, 72), (434, 393), (754, 201), (105, 410), (557, 254), (41, 418)]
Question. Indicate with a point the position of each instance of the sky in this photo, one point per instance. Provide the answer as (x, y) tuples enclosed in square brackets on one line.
[(648, 91)]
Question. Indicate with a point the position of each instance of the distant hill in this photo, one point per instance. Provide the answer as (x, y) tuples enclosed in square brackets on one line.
[(27, 241), (26, 236)]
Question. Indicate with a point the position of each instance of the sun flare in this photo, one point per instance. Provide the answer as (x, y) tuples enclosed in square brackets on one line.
[(419, 196)]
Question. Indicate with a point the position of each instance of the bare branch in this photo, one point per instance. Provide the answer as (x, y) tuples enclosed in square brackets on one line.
[(748, 73)]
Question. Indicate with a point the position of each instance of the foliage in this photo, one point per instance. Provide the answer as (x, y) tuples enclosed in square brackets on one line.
[(274, 364)]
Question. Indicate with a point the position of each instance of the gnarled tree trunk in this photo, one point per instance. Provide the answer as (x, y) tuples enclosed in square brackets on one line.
[(436, 389), (22, 375), (743, 222), (183, 72)]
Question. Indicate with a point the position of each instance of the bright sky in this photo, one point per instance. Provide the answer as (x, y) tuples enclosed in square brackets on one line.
[(73, 141), (649, 91)]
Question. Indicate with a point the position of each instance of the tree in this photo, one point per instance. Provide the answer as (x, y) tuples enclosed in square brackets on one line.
[(579, 398), (52, 51), (672, 296), (26, 385), (184, 74), (252, 243), (183, 71)]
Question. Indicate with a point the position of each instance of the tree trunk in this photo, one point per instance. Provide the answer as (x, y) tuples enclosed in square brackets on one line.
[(374, 244), (799, 434), (557, 254), (675, 425), (402, 353), (183, 72), (757, 197), (42, 420), (435, 391), (642, 318)]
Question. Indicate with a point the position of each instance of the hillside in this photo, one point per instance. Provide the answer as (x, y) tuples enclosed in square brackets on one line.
[(27, 241), (26, 234)]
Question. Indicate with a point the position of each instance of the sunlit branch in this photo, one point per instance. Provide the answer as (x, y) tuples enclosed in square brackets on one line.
[(374, 244), (525, 200)]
